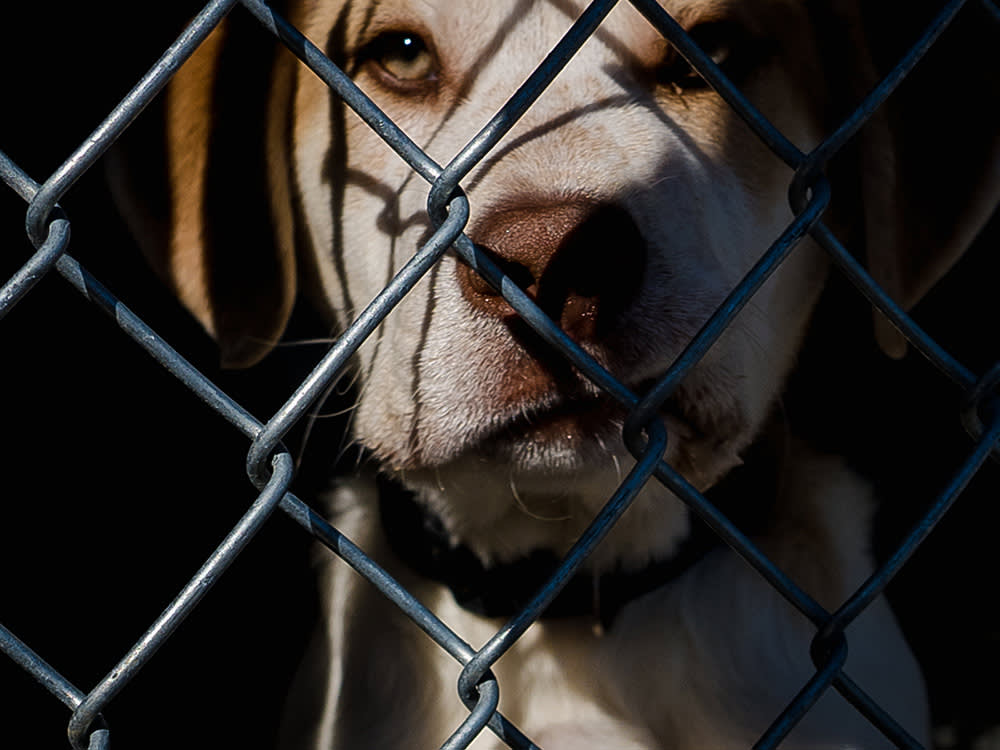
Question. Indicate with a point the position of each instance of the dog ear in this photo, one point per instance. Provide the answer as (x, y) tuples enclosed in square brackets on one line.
[(193, 186), (930, 157)]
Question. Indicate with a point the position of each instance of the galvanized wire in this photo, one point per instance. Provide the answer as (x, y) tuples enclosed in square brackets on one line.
[(269, 466)]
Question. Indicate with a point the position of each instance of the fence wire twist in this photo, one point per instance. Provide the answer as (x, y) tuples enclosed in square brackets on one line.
[(269, 465)]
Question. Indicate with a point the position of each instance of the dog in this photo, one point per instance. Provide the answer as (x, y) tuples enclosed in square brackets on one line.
[(627, 202)]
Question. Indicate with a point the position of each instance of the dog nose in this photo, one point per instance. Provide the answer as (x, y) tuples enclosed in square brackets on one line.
[(581, 262)]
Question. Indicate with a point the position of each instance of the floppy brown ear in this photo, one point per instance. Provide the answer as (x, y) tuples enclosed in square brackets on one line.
[(930, 159), (193, 185)]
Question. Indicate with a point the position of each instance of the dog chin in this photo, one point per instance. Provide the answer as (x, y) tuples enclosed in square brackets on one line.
[(538, 482), (573, 437)]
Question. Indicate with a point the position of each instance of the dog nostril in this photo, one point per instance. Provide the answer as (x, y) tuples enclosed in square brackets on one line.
[(581, 262), (596, 274)]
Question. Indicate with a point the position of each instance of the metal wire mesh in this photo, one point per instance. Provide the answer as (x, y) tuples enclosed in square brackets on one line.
[(269, 464)]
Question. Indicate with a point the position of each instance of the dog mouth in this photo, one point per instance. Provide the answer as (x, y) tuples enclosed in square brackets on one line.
[(581, 432), (571, 421)]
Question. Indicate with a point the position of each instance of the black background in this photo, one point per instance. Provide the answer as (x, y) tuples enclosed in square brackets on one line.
[(116, 484)]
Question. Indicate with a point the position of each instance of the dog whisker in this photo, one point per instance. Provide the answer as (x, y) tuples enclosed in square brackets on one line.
[(293, 343), (334, 414), (523, 507)]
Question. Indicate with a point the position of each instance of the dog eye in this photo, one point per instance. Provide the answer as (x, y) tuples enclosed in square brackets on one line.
[(729, 46), (401, 59)]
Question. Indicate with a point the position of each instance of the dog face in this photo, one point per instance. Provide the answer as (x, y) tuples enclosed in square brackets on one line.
[(628, 202)]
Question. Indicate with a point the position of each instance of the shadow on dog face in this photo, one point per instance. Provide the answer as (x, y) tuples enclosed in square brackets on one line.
[(627, 202)]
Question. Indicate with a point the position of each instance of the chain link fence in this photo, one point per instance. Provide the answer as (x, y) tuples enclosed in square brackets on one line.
[(270, 465)]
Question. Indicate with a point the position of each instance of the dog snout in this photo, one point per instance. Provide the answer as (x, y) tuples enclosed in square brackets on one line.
[(581, 262)]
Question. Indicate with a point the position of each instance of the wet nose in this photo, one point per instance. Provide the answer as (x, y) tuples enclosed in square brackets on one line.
[(581, 262)]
